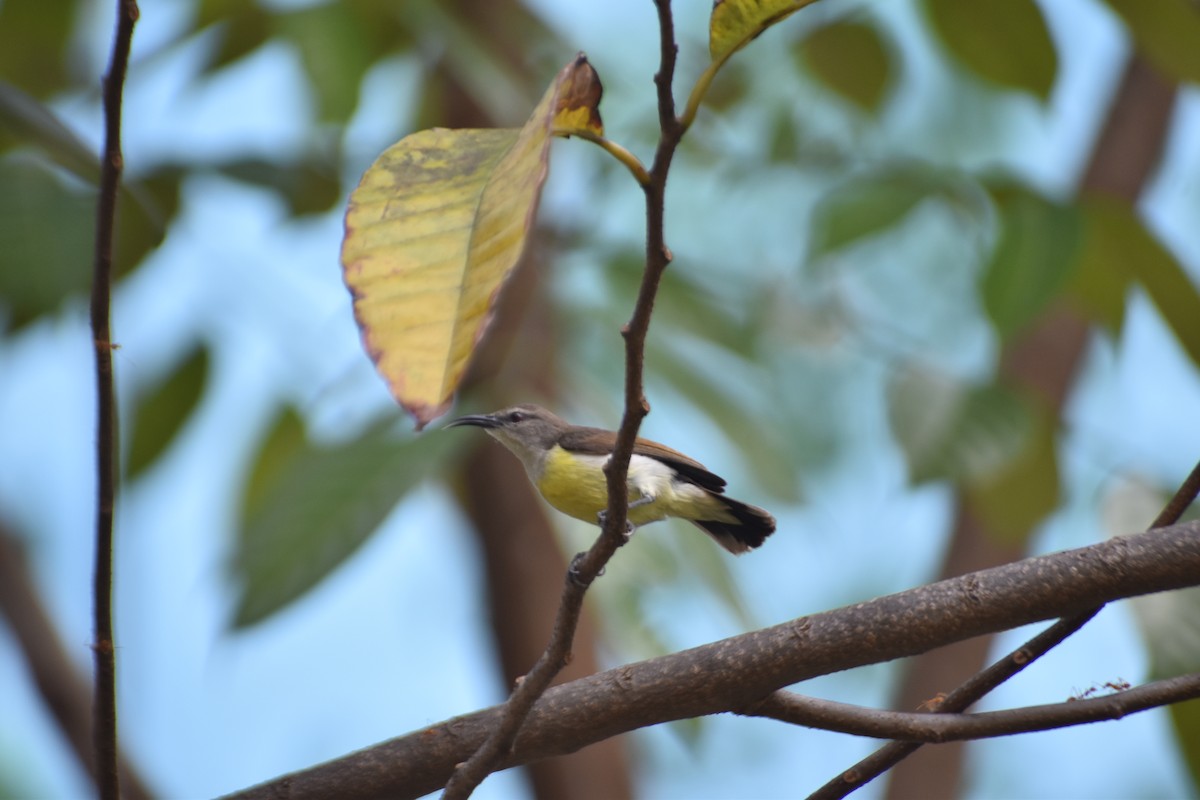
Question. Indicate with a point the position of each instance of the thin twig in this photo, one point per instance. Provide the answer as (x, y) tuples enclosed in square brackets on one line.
[(66, 692), (934, 728), (984, 682), (586, 567), (105, 712)]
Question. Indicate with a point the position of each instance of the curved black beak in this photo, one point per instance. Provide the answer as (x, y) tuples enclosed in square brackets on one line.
[(477, 420)]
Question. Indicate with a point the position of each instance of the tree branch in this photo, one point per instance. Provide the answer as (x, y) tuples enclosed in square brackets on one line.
[(65, 692), (985, 681), (934, 728), (734, 673), (958, 700), (105, 712), (586, 567)]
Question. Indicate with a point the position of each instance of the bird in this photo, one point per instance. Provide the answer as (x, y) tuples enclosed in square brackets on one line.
[(566, 462)]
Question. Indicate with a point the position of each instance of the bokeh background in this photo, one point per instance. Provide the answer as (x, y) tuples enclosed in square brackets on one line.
[(933, 303)]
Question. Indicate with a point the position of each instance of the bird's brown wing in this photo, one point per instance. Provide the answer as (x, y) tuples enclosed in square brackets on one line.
[(597, 441)]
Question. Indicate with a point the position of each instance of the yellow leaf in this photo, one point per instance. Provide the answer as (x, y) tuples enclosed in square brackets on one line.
[(734, 23), (434, 229), (577, 107)]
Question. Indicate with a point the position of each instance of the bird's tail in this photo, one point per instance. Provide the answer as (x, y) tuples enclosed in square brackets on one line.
[(747, 527)]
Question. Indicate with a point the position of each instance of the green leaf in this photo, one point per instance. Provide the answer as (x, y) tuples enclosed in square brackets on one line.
[(34, 37), (1101, 282), (435, 228), (240, 29), (47, 223), (161, 414), (1185, 717), (851, 59), (735, 23), (1003, 41), (307, 185), (952, 431), (1015, 498), (1037, 253), (1166, 32), (284, 444), (26, 120), (337, 49), (46, 236), (1116, 231), (308, 507), (996, 445), (871, 203)]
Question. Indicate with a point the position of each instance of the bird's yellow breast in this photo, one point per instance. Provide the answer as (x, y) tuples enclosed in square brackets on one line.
[(575, 485)]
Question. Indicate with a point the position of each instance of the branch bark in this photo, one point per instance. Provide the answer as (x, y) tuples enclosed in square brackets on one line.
[(735, 673), (935, 728), (111, 165)]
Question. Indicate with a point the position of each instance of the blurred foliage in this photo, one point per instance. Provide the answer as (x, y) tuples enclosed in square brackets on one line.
[(24, 120), (875, 201), (1034, 259), (162, 412), (1167, 32), (770, 358), (46, 226), (1003, 41), (1124, 243), (852, 59), (309, 506)]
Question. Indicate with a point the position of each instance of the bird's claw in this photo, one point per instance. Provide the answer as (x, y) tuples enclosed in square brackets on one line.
[(626, 535), (575, 573)]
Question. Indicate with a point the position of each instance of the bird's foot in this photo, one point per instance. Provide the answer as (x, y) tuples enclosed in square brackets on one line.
[(575, 571), (626, 535)]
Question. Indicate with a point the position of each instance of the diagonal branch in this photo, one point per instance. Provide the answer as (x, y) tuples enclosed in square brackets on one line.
[(985, 681), (105, 712), (937, 727), (731, 674)]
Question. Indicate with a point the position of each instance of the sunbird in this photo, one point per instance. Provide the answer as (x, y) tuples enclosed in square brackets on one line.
[(566, 462)]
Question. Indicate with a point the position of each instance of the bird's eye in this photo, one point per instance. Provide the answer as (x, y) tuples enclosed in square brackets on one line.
[(516, 416)]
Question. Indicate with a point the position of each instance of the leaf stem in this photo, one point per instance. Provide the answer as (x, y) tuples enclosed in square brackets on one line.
[(699, 91), (631, 162)]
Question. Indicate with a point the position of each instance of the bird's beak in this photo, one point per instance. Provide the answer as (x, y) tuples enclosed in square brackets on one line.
[(477, 420)]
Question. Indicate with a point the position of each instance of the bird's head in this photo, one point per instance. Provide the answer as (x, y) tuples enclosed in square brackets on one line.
[(527, 430)]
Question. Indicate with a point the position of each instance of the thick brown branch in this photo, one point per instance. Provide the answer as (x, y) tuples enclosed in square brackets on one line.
[(734, 673), (983, 682), (105, 714), (933, 728), (971, 690)]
